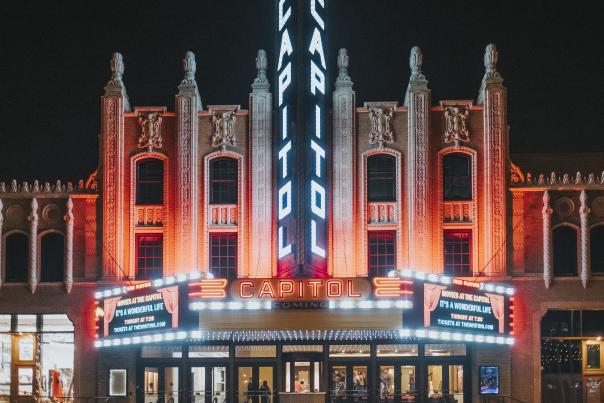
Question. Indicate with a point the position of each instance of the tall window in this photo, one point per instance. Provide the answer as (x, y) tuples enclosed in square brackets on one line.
[(457, 177), (596, 239), (223, 255), (565, 251), (17, 255), (149, 256), (381, 178), (458, 252), (223, 181), (52, 257), (382, 252), (150, 181)]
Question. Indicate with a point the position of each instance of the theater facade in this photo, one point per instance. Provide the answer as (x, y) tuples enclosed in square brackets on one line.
[(307, 247)]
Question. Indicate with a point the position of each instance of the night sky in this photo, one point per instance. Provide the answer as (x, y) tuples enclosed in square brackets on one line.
[(54, 63)]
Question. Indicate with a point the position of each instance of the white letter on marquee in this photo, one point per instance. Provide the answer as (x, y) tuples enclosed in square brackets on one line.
[(315, 189), (316, 249), (286, 47), (313, 12), (284, 123), (286, 190), (284, 250), (317, 79), (283, 17), (317, 121), (319, 153), (285, 78), (316, 46), (283, 155)]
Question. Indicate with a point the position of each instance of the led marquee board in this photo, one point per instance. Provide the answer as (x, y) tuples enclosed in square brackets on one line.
[(301, 147)]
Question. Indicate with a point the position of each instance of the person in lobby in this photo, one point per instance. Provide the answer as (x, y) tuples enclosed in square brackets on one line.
[(252, 391), (265, 392)]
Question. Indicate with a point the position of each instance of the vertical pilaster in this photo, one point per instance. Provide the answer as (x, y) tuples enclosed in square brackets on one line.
[(113, 104), (261, 219), (493, 95), (585, 254), (548, 269), (417, 101), (518, 231), (344, 259), (68, 277), (33, 246), (188, 103)]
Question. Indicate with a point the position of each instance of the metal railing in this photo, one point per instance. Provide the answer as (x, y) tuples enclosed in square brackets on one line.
[(500, 399)]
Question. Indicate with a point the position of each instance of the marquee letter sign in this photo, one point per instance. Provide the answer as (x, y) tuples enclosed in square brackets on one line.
[(301, 77)]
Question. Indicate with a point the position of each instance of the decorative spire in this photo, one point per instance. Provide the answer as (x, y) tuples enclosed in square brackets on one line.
[(417, 81), (343, 80), (491, 75), (188, 85), (115, 86), (261, 83)]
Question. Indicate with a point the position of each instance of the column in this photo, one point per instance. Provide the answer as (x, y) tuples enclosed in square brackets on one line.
[(68, 277), (493, 95), (585, 254), (33, 246), (343, 234), (417, 101), (188, 103), (261, 240), (113, 105), (548, 269)]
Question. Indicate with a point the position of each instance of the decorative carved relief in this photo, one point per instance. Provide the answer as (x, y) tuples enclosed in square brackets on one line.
[(92, 183), (51, 213), (516, 175), (381, 125), (223, 129), (564, 207), (456, 124), (150, 136), (381, 213), (597, 207), (15, 214)]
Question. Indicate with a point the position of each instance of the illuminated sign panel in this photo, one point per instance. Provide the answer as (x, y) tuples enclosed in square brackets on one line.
[(152, 309), (301, 151)]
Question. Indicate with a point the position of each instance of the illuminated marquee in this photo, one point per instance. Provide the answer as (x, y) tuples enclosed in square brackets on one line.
[(301, 76)]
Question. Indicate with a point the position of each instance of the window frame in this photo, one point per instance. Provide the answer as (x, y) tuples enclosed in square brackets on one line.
[(231, 272), (42, 271), (392, 197), (560, 227), (470, 177), (232, 196), (137, 269), (378, 271), (593, 249), (157, 199), (5, 256), (447, 231)]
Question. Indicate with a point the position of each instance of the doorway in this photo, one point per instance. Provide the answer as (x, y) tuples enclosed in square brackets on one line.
[(161, 383), (207, 383), (397, 382), (303, 372), (349, 381), (445, 382), (255, 383)]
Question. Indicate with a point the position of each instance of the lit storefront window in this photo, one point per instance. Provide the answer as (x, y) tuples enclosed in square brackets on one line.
[(36, 356)]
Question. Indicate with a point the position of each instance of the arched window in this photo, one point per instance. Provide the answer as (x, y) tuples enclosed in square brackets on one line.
[(457, 177), (596, 239), (52, 257), (565, 251), (17, 255), (150, 181), (223, 181), (381, 178)]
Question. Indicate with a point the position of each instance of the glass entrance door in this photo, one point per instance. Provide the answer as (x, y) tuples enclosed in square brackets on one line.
[(208, 384), (348, 382), (445, 382), (303, 372), (397, 383), (255, 384), (161, 383)]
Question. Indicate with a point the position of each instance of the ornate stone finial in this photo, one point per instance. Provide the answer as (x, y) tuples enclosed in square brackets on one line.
[(516, 175), (261, 83), (188, 85), (13, 186), (223, 129), (381, 125), (36, 186), (150, 136), (25, 187), (47, 188), (491, 75), (417, 81), (115, 86), (343, 80), (2, 187), (578, 177), (456, 126)]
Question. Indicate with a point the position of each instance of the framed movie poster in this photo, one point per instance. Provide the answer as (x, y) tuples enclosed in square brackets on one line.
[(489, 380)]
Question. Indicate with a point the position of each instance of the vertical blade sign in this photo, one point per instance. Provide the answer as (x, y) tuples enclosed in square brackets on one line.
[(301, 77)]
